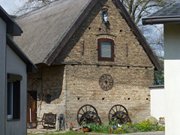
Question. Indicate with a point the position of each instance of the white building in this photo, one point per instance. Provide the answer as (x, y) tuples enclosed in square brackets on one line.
[(170, 17), (14, 66), (157, 101)]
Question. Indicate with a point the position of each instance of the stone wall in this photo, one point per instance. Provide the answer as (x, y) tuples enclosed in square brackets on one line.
[(48, 82), (130, 89)]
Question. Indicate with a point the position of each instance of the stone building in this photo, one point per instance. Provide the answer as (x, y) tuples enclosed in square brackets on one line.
[(87, 52)]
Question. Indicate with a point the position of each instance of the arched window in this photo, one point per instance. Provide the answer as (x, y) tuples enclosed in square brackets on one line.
[(105, 49)]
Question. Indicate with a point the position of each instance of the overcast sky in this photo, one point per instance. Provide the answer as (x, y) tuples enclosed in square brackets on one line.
[(11, 5)]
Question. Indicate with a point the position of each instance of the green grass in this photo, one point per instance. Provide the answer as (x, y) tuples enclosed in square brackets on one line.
[(100, 128)]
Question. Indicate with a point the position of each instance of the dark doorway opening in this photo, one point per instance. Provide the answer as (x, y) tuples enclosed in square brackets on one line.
[(32, 109)]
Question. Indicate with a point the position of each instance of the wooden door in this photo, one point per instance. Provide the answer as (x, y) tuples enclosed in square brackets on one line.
[(32, 109)]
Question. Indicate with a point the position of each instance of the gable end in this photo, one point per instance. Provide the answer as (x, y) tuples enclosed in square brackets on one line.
[(53, 54)]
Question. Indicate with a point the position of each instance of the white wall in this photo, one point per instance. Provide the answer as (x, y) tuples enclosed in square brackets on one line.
[(16, 66), (2, 75), (157, 102), (172, 78)]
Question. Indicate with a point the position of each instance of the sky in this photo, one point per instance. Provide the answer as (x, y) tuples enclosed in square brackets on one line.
[(12, 5)]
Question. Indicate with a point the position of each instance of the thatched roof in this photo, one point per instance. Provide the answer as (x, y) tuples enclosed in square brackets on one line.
[(47, 30), (30, 66)]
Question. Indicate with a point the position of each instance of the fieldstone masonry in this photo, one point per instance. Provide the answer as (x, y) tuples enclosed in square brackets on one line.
[(73, 81)]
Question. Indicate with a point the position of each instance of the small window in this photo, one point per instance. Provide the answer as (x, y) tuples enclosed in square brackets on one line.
[(13, 96), (105, 50)]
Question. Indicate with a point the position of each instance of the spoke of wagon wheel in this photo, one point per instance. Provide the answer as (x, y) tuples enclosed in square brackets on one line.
[(86, 108), (83, 110), (113, 110), (116, 108)]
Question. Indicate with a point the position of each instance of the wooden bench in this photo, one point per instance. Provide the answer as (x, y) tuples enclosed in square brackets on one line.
[(49, 120)]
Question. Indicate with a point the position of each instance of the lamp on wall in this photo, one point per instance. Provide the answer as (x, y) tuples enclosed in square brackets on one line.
[(105, 17)]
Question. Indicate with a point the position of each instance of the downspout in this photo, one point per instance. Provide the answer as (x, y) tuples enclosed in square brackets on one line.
[(5, 94)]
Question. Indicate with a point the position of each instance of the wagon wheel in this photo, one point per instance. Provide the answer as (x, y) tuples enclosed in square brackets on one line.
[(119, 115), (88, 114)]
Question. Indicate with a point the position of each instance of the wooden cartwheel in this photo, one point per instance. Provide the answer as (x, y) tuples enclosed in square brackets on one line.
[(119, 115), (88, 114)]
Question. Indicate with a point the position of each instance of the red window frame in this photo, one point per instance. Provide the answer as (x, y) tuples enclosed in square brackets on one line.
[(100, 58)]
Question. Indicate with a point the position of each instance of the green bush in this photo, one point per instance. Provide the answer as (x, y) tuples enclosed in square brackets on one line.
[(144, 126), (99, 128)]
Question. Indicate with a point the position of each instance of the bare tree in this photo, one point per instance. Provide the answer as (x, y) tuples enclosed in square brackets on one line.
[(140, 8)]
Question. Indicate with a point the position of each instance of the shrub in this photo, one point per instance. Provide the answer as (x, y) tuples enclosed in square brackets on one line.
[(99, 128), (143, 126)]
